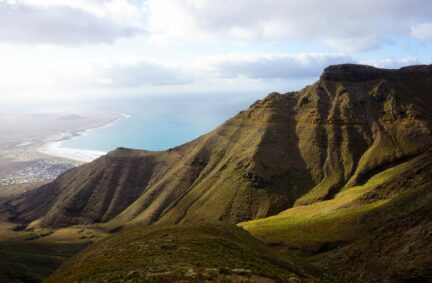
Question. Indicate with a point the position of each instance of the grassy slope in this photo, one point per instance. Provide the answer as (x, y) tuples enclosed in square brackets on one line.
[(392, 211), (193, 252), (315, 223)]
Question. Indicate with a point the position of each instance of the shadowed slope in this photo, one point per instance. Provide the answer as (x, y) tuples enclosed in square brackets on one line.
[(285, 150)]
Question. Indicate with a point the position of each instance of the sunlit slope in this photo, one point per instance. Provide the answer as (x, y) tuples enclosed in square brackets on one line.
[(285, 150), (194, 253), (376, 231)]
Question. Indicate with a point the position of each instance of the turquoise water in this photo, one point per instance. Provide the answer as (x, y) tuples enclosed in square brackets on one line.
[(149, 132), (160, 123)]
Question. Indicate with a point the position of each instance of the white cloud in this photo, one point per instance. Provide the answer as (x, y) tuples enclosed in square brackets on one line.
[(27, 75), (422, 31), (137, 73), (119, 74), (48, 77), (392, 63), (271, 66), (343, 25), (67, 22)]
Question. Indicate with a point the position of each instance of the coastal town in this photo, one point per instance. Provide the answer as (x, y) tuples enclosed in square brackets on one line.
[(30, 145), (37, 171)]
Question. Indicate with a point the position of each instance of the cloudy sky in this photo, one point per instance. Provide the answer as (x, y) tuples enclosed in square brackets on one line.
[(67, 50)]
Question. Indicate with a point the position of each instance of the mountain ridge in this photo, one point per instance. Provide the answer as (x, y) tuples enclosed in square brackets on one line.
[(285, 150)]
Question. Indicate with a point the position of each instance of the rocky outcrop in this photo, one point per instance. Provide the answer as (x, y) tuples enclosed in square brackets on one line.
[(361, 73)]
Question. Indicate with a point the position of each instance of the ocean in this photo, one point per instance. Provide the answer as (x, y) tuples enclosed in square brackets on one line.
[(160, 123)]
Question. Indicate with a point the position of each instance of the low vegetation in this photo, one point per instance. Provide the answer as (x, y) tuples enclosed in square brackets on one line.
[(193, 252), (376, 231), (322, 222)]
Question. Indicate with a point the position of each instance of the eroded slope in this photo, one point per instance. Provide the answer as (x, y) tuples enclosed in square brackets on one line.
[(285, 150)]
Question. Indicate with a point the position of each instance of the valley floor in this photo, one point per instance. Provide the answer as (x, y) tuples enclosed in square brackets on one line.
[(31, 255)]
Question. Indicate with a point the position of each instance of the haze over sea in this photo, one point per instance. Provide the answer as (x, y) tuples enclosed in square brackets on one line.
[(160, 123)]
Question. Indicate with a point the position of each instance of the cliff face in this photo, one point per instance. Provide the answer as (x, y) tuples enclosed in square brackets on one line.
[(285, 150)]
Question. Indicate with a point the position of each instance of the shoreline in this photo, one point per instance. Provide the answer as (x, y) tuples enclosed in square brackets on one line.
[(54, 149), (52, 146)]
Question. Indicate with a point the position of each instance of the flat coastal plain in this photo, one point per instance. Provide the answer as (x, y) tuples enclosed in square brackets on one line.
[(30, 144)]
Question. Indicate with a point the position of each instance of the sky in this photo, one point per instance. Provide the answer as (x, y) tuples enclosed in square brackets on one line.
[(58, 52)]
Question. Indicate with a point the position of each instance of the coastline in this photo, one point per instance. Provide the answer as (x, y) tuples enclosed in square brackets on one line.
[(81, 155), (52, 146)]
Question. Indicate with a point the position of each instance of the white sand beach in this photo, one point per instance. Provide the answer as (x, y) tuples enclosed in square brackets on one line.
[(81, 155), (53, 146), (31, 144)]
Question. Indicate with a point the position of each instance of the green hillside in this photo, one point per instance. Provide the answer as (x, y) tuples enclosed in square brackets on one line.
[(194, 252), (377, 231)]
